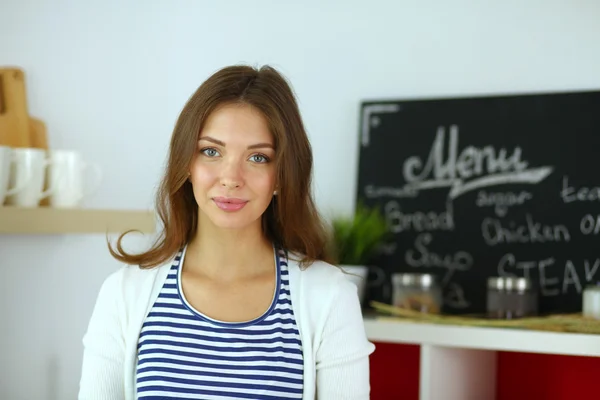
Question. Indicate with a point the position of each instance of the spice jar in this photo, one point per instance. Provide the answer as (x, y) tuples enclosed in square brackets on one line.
[(418, 292), (511, 297)]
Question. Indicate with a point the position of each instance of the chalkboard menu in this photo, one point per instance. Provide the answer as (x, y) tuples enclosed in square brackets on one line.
[(487, 186)]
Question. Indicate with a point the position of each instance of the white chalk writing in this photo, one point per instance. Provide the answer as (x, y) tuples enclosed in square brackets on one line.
[(455, 296), (548, 283), (487, 166), (418, 221), (501, 201), (373, 192), (590, 272), (590, 224), (570, 194), (422, 256), (571, 277), (494, 232), (545, 283)]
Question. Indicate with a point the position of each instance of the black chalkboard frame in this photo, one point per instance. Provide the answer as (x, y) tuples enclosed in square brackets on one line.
[(519, 195)]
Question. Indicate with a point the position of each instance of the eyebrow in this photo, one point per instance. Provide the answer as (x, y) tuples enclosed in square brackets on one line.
[(253, 146)]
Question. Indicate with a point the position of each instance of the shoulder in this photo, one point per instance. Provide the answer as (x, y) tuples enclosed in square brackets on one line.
[(128, 282), (318, 273), (321, 282)]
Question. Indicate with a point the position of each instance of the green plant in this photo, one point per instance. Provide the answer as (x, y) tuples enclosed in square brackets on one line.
[(355, 239)]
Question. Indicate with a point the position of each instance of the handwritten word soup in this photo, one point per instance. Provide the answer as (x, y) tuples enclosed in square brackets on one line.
[(422, 256)]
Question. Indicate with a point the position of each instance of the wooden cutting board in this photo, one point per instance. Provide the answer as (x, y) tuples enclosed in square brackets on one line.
[(37, 134), (39, 139), (14, 118)]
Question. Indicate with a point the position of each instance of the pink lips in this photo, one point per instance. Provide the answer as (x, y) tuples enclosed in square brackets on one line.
[(229, 203)]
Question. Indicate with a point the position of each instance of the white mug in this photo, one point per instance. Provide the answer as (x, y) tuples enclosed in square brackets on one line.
[(67, 174), (6, 161), (28, 174)]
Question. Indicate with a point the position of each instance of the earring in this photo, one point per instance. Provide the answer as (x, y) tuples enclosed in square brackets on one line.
[(275, 193)]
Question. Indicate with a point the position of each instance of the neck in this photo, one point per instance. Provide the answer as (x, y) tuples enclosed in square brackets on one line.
[(227, 253)]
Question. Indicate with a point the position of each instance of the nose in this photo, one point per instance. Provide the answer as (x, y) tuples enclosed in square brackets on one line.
[(231, 175)]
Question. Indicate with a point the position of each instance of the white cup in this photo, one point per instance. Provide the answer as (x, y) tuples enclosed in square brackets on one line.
[(591, 302), (27, 173), (6, 161), (67, 175)]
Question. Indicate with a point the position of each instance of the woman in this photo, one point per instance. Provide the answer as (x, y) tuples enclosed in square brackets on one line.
[(238, 299)]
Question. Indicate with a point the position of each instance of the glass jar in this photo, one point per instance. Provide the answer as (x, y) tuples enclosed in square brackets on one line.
[(511, 297), (417, 292)]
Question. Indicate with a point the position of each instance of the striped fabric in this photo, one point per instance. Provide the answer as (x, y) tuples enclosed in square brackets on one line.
[(184, 354)]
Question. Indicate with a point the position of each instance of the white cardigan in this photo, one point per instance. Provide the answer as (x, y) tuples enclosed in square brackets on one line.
[(335, 347)]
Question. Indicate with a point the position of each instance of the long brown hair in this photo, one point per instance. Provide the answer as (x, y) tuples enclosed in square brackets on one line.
[(291, 220)]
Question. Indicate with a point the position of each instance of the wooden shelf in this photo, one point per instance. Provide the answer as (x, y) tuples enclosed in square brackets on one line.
[(46, 220)]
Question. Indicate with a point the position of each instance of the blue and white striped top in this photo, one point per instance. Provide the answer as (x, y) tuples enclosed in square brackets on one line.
[(187, 355)]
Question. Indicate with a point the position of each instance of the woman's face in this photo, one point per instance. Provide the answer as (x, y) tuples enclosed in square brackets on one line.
[(233, 172)]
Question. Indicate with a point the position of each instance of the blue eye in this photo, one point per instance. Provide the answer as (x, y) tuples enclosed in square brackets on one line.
[(259, 158), (210, 152)]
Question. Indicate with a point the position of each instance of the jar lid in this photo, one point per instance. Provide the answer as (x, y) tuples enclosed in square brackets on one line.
[(509, 283), (422, 280)]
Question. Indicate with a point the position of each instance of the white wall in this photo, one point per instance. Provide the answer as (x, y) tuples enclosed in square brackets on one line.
[(110, 77)]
